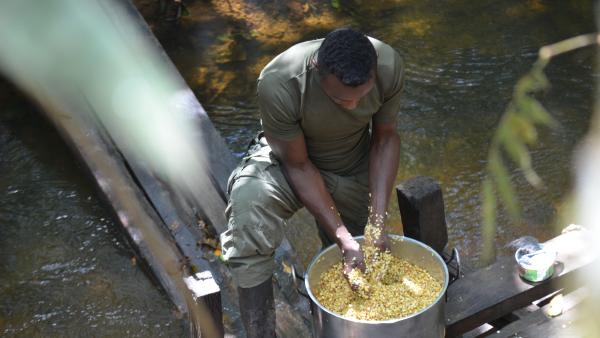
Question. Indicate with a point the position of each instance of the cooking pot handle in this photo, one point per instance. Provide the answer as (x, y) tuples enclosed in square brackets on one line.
[(453, 276), (453, 262)]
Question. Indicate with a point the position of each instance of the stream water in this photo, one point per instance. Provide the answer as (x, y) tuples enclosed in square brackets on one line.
[(66, 270)]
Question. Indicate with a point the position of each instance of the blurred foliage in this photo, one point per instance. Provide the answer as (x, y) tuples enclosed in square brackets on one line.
[(517, 130)]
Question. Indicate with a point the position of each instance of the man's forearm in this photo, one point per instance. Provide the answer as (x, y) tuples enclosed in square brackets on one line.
[(310, 188), (384, 156), (307, 183)]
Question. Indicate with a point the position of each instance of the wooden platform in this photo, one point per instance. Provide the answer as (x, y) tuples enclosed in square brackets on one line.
[(495, 300), (487, 296), (554, 318)]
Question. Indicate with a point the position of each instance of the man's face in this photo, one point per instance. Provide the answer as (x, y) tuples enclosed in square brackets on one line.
[(346, 97)]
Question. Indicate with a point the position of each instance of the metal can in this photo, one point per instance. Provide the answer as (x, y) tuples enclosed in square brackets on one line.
[(536, 263)]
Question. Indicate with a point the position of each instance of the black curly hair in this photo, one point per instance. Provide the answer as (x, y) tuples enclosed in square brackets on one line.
[(349, 55)]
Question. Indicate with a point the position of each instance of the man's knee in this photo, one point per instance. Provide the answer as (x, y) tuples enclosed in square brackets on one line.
[(254, 232), (250, 271), (248, 247), (248, 191)]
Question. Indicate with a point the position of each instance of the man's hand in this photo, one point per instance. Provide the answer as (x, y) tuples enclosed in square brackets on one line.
[(354, 264), (353, 257), (307, 183), (383, 167), (376, 234), (382, 242), (376, 242)]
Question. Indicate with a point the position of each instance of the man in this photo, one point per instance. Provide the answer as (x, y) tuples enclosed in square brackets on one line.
[(328, 110)]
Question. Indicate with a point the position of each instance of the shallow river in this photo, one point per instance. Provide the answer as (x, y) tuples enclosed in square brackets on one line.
[(66, 270)]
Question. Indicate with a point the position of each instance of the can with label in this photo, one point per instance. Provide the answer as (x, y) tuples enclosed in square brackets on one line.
[(536, 263)]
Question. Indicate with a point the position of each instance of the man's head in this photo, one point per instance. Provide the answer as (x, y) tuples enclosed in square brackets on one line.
[(347, 61)]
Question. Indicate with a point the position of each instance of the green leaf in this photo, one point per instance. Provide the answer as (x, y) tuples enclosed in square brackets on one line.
[(488, 214), (540, 80), (520, 154), (224, 37), (185, 11), (525, 85), (516, 149), (531, 108), (335, 4), (532, 82), (522, 128), (503, 184)]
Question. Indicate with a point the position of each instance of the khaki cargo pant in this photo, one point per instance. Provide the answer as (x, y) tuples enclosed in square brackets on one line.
[(260, 200)]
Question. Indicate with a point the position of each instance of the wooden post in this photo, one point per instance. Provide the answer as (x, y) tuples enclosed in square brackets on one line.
[(422, 209)]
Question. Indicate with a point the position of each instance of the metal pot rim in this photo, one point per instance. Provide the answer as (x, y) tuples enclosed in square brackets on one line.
[(388, 321)]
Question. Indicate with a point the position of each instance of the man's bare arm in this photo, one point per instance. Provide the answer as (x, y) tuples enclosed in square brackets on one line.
[(384, 155), (306, 181)]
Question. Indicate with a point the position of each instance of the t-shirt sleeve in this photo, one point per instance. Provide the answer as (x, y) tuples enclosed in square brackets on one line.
[(278, 112), (388, 112)]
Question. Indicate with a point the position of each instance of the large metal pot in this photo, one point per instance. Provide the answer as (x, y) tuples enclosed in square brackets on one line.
[(427, 323)]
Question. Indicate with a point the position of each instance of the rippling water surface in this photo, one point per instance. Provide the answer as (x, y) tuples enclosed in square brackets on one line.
[(64, 267)]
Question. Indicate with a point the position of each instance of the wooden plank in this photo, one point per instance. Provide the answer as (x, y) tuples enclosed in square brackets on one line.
[(560, 327), (421, 207), (539, 317), (497, 290), (132, 209), (206, 194), (182, 225)]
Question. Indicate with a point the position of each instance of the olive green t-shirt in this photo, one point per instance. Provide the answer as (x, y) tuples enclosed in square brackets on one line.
[(291, 101)]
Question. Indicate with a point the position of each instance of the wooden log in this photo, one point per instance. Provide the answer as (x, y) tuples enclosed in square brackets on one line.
[(207, 201), (183, 228), (421, 207), (497, 290), (133, 210)]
